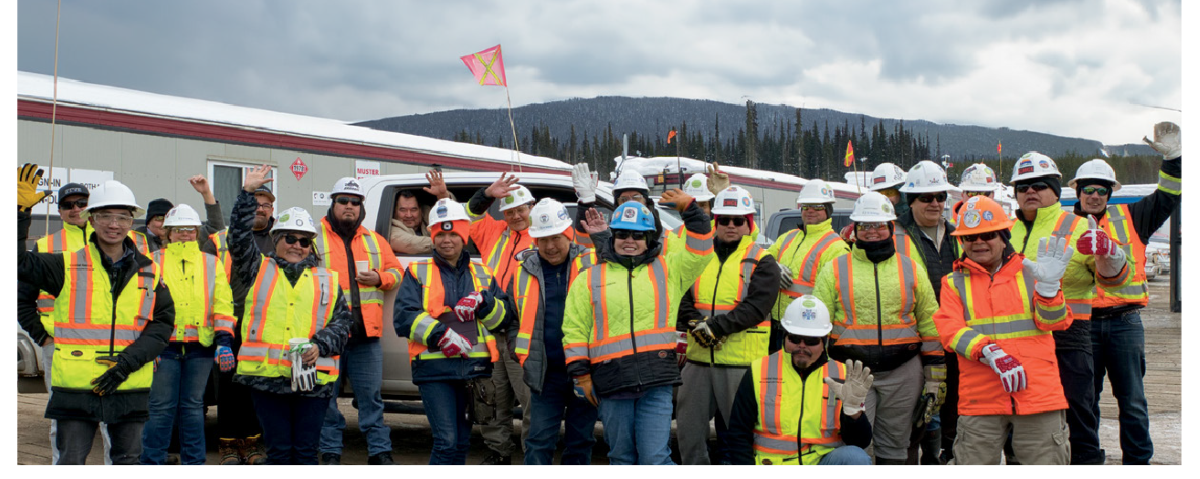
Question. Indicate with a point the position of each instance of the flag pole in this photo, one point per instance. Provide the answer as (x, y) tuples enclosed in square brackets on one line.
[(512, 125), (678, 165), (53, 112), (1000, 161)]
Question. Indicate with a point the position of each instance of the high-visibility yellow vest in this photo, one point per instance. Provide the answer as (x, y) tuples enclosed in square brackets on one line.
[(88, 325), (201, 295), (277, 311), (140, 241), (220, 241), (720, 288), (483, 344), (805, 253), (797, 422), (530, 306), (1119, 226), (67, 240)]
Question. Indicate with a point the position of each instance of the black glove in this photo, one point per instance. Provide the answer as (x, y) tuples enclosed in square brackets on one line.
[(118, 371)]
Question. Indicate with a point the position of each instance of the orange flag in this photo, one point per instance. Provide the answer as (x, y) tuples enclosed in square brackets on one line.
[(487, 66), (670, 135), (849, 153), (998, 147)]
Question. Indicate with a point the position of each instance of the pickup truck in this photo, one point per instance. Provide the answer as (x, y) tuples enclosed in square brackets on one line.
[(783, 221)]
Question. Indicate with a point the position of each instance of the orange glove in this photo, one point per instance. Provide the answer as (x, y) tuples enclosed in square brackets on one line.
[(583, 389)]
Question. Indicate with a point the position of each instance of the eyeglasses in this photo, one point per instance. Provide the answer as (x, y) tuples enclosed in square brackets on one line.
[(626, 234), (870, 226), (183, 229), (805, 340), (736, 220), (1036, 187), (67, 205), (304, 242), (990, 235), (1097, 190), (113, 218), (633, 197), (265, 206), (969, 194), (812, 207), (346, 200), (940, 198)]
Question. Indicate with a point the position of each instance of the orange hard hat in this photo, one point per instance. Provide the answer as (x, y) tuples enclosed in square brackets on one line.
[(981, 214)]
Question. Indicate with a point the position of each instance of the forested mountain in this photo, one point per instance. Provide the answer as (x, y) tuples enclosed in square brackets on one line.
[(590, 130)]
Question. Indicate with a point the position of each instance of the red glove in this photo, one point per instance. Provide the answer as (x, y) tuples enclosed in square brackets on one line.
[(1010, 370), (465, 309), (681, 348), (453, 344), (847, 233), (1095, 241)]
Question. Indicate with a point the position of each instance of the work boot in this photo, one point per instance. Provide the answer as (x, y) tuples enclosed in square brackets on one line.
[(172, 459), (381, 459), (228, 449), (495, 459), (331, 459), (252, 451)]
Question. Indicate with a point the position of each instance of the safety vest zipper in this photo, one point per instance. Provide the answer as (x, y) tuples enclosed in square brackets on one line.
[(112, 322), (632, 334), (878, 308), (800, 423)]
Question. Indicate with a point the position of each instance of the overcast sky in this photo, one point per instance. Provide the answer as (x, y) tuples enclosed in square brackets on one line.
[(1089, 68)]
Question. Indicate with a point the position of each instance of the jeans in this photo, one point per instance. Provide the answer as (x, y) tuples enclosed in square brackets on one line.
[(74, 441), (638, 431), (291, 426), (1073, 348), (178, 390), (547, 411), (846, 456), (362, 364), (446, 404), (1119, 349)]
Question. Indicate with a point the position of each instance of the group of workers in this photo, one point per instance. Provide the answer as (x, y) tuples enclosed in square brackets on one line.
[(927, 339)]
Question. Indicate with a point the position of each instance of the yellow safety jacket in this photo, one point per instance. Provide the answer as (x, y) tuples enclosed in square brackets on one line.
[(805, 254), (276, 311), (140, 241), (1117, 223), (720, 288), (89, 325), (201, 293), (67, 240), (220, 241), (529, 303), (433, 300), (797, 424)]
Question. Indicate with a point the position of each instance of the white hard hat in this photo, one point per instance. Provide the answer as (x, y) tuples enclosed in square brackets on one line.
[(294, 219), (978, 177), (182, 215), (447, 209), (112, 194), (873, 207), (548, 218), (348, 186), (815, 192), (807, 316), (1034, 165), (630, 179), (516, 198), (885, 176), (733, 201), (925, 177), (697, 187), (1096, 169)]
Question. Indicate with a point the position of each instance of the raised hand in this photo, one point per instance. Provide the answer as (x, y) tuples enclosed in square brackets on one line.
[(256, 177), (502, 186), (593, 223), (437, 184), (676, 198), (1166, 140), (717, 181), (28, 178)]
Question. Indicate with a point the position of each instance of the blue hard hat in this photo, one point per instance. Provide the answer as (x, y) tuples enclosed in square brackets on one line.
[(633, 216)]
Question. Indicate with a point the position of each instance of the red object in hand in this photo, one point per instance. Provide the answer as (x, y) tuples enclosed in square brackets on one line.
[(465, 309), (681, 344), (1096, 242), (453, 345), (847, 233)]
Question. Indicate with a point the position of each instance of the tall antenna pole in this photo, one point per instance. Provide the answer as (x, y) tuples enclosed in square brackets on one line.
[(53, 110)]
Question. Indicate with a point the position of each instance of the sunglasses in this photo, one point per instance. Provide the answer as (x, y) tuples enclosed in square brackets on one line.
[(805, 340), (990, 235), (1096, 190), (184, 229), (626, 234), (940, 198), (345, 200), (304, 242), (1036, 187), (736, 220), (812, 208), (870, 226), (970, 194), (66, 205)]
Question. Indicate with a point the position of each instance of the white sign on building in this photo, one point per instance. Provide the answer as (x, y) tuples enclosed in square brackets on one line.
[(89, 178), (363, 169), (321, 198)]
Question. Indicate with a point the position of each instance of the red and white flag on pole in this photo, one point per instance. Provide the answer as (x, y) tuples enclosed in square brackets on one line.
[(487, 66)]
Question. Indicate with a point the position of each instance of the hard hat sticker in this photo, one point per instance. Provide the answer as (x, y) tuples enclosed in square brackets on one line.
[(442, 211), (987, 215), (809, 314), (696, 184), (562, 214), (285, 218), (972, 218), (545, 218), (745, 201), (730, 202), (629, 214)]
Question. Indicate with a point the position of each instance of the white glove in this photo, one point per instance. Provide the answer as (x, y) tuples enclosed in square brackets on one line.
[(785, 277), (585, 183), (854, 391), (1166, 140), (1012, 373), (1053, 255), (453, 344), (304, 378)]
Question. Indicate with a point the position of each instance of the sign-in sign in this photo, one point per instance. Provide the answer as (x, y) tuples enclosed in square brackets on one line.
[(321, 198), (363, 169), (89, 178)]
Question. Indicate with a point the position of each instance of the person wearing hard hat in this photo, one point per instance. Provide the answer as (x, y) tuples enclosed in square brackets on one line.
[(537, 298), (498, 243), (885, 179), (295, 325), (619, 326), (697, 186), (153, 235), (448, 307), (727, 312), (409, 233), (203, 300), (769, 426), (998, 311), (106, 287), (977, 180), (1118, 339), (882, 307), (1037, 182), (366, 269), (804, 251)]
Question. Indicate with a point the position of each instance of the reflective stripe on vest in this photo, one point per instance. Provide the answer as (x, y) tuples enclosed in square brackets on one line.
[(189, 327), (783, 432), (140, 240), (718, 292), (62, 241), (804, 282), (997, 327), (857, 331), (530, 306), (434, 302), (1119, 225), (605, 346), (278, 311), (370, 298), (220, 241)]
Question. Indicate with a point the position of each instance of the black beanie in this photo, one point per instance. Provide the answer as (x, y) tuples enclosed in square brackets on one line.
[(158, 207)]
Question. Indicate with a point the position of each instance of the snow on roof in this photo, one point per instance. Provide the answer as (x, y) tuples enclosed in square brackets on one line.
[(39, 87), (659, 164)]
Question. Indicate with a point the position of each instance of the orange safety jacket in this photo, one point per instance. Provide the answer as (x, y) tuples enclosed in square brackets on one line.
[(140, 241), (1119, 226), (433, 302), (978, 309), (498, 245), (220, 241), (526, 295), (368, 246)]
